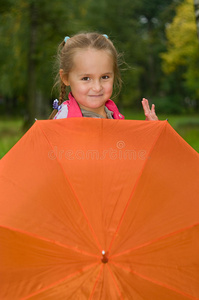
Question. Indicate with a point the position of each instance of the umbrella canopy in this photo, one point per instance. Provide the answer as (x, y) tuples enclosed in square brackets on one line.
[(99, 209)]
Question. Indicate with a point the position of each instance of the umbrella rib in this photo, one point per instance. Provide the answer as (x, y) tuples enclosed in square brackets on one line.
[(116, 285), (84, 214), (96, 282), (49, 241), (59, 282), (154, 281), (155, 240), (133, 191)]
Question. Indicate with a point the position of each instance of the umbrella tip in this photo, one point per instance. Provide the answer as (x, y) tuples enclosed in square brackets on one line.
[(104, 259)]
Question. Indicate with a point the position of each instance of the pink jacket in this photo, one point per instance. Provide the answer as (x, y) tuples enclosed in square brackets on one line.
[(71, 109)]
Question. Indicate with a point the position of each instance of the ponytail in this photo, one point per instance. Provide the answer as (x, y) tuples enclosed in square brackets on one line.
[(61, 100)]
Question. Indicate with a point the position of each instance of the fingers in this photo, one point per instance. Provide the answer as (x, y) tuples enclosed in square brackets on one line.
[(149, 113), (145, 104), (153, 108), (146, 108)]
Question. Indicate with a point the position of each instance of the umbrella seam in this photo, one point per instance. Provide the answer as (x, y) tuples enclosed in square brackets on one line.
[(155, 240), (134, 188), (154, 281), (96, 282), (48, 240), (84, 214), (116, 285), (58, 282)]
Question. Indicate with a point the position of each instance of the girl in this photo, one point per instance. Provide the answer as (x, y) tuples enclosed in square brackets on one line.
[(89, 64)]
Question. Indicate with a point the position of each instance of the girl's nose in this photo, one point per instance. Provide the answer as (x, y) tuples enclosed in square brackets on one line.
[(97, 86)]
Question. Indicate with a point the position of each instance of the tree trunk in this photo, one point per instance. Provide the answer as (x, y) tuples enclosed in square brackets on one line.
[(151, 60), (196, 5), (31, 87)]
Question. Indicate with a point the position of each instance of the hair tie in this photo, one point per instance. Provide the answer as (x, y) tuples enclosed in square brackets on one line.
[(55, 105), (105, 35), (66, 38)]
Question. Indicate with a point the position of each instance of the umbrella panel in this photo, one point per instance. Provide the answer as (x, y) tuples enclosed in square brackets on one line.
[(111, 186)]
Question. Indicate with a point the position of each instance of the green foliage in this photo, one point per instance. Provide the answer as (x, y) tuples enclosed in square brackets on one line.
[(182, 48), (137, 28)]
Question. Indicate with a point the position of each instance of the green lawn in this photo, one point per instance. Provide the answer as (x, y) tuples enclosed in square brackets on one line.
[(186, 126), (10, 133)]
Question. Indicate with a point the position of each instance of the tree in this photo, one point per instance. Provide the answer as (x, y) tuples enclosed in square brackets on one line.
[(137, 29), (196, 5), (153, 17), (30, 33), (182, 48)]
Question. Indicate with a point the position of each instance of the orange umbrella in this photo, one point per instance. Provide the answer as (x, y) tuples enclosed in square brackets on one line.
[(99, 209)]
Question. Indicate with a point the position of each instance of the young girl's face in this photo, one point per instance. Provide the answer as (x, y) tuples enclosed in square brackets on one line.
[(91, 79)]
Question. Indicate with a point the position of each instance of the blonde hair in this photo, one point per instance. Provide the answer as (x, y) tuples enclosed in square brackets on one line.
[(66, 51)]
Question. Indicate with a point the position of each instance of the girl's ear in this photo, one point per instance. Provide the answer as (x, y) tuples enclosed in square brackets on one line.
[(64, 77)]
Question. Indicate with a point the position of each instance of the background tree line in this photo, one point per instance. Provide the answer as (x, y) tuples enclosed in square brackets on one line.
[(158, 39)]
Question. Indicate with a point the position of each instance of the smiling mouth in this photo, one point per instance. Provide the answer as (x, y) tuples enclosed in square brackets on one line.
[(96, 95)]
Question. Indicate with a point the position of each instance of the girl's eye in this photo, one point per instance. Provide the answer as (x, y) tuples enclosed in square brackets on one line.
[(105, 77), (86, 78)]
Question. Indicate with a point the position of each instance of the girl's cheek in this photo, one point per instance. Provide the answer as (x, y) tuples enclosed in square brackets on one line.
[(82, 87), (85, 88), (110, 88)]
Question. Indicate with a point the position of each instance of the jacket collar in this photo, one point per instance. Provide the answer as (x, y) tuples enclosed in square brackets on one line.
[(75, 111)]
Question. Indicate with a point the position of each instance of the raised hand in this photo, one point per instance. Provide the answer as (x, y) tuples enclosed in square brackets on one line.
[(149, 113)]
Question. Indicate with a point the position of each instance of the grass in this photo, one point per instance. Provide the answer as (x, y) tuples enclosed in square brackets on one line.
[(186, 126), (10, 133)]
